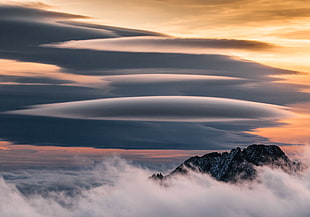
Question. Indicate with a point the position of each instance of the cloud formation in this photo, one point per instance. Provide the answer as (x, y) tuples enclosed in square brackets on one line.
[(119, 189), (162, 44), (77, 74), (166, 78), (45, 131), (159, 108), (15, 12), (215, 18)]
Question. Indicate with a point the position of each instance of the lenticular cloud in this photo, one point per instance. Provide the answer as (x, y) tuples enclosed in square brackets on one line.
[(161, 44), (160, 108)]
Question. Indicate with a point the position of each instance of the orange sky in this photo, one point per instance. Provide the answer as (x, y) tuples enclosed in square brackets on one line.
[(295, 130), (28, 155)]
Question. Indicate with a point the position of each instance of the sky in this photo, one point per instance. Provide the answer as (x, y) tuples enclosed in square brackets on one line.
[(146, 75), (96, 96)]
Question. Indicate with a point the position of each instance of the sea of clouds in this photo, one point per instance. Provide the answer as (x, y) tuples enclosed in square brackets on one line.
[(116, 188)]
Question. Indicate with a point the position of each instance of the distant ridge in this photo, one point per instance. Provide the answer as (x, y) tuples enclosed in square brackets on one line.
[(237, 164)]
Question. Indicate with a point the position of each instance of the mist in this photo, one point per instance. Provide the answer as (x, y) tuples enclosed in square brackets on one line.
[(117, 188)]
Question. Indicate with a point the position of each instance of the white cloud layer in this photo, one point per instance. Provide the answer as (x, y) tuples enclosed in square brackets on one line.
[(133, 195), (162, 78), (162, 44), (160, 108)]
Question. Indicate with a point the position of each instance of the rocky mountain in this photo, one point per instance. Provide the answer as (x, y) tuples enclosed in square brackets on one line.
[(237, 164)]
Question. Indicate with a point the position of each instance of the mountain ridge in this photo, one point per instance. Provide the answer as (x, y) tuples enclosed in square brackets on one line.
[(238, 164)]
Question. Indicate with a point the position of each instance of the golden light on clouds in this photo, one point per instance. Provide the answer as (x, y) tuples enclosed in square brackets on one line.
[(282, 24), (195, 18), (14, 68)]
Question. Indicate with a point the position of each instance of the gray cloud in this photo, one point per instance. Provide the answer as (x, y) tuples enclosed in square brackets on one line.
[(121, 31), (32, 80), (127, 74), (19, 37), (11, 12), (44, 131), (162, 78), (26, 95), (160, 108), (24, 28), (252, 87)]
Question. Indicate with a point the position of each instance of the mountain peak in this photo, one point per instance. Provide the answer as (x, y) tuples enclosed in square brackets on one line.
[(237, 164)]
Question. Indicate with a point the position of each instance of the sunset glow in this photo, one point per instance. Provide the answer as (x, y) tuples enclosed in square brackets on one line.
[(240, 33), (154, 108)]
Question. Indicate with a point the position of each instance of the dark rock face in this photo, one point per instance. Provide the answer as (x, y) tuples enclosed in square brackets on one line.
[(237, 164), (157, 176)]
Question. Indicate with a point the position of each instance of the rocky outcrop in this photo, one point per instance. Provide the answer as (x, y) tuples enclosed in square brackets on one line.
[(237, 164)]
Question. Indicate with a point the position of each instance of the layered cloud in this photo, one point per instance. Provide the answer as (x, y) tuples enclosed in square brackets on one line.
[(14, 12), (24, 28), (218, 19), (167, 78), (160, 108), (163, 44), (48, 75)]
